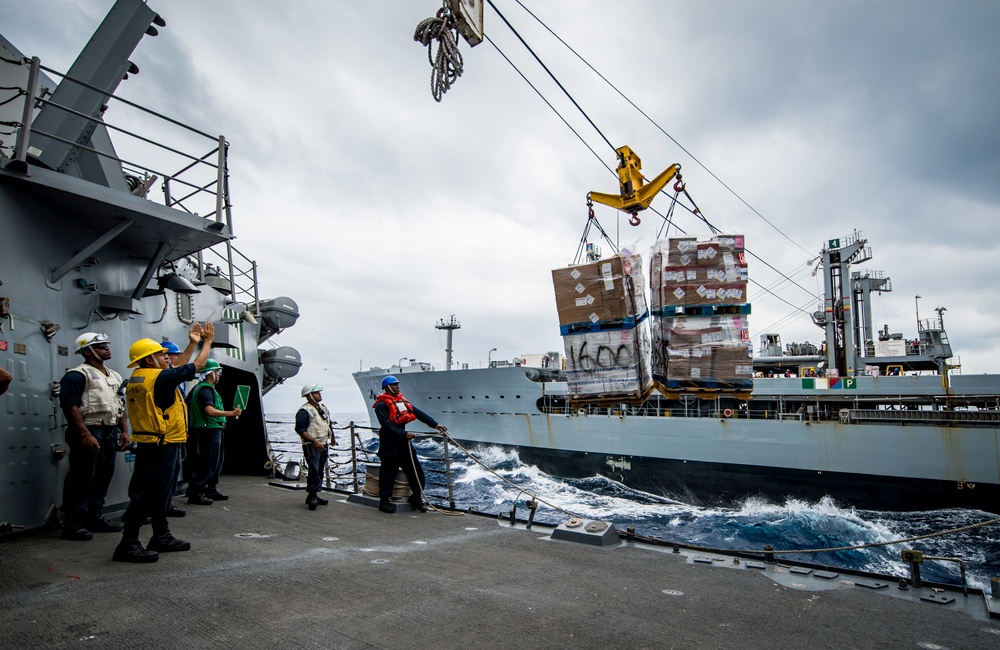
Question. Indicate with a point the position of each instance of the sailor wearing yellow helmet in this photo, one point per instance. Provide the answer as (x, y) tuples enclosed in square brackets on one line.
[(158, 417)]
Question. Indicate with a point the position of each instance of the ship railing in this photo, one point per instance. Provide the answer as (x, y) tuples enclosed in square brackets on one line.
[(202, 174), (930, 324), (347, 463), (925, 417), (242, 274), (199, 186)]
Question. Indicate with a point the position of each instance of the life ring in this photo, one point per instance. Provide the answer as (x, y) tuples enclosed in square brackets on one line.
[(728, 413)]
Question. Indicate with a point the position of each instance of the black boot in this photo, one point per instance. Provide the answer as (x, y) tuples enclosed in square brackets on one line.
[(167, 543), (98, 524), (131, 550), (416, 502), (215, 495), (386, 506), (73, 530), (198, 499), (321, 501), (312, 501), (163, 542)]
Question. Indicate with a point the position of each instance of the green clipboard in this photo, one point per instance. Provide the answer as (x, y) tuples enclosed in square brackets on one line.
[(242, 397)]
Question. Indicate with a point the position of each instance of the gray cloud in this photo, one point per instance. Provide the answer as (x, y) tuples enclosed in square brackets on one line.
[(380, 211)]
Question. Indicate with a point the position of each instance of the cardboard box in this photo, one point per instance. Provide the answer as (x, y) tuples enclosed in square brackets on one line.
[(610, 290), (700, 348)]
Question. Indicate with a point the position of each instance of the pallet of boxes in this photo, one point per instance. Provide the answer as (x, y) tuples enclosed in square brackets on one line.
[(603, 318), (698, 315)]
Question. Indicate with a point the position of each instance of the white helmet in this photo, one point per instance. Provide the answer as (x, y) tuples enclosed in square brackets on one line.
[(311, 388), (88, 339)]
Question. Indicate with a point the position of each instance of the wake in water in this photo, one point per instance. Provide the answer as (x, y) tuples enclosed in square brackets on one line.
[(500, 482), (792, 525)]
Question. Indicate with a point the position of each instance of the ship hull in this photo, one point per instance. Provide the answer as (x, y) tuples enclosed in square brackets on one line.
[(716, 460)]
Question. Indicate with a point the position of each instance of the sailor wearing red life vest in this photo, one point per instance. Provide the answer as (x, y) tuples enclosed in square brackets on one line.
[(394, 412)]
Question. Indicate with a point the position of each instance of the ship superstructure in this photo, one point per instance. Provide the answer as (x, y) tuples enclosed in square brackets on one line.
[(119, 229)]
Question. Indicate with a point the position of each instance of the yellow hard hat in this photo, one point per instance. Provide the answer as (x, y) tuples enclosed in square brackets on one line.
[(142, 349)]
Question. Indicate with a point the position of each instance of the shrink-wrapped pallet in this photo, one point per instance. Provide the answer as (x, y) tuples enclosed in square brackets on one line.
[(698, 313), (685, 272), (608, 363)]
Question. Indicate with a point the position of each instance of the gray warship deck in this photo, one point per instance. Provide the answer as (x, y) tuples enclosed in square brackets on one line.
[(264, 571)]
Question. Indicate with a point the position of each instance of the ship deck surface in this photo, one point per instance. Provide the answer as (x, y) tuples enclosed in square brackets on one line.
[(347, 576)]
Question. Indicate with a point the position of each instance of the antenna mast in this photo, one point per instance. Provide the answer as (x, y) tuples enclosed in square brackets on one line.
[(450, 326)]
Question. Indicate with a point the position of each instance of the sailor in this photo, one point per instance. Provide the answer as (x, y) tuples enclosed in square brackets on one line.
[(91, 399), (174, 355), (204, 446), (158, 417), (394, 412), (315, 427)]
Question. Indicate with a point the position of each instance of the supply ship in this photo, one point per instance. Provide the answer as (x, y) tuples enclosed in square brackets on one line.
[(116, 219), (869, 418)]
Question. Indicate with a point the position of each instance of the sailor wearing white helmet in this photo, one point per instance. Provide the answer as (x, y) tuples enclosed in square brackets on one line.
[(314, 426), (91, 399)]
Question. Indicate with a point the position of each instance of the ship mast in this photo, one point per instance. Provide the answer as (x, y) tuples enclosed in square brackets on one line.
[(449, 327)]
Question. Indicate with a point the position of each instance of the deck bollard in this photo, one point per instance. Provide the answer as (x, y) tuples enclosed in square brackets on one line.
[(769, 554), (451, 484), (915, 558)]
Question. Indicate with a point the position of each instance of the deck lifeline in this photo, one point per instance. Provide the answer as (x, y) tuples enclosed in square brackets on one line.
[(266, 572)]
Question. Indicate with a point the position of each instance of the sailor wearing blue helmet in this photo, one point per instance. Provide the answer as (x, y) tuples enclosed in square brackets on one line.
[(174, 354), (394, 412)]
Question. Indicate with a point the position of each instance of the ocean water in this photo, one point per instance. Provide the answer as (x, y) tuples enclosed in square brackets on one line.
[(499, 481)]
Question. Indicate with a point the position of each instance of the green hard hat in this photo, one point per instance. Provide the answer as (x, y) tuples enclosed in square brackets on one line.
[(211, 365)]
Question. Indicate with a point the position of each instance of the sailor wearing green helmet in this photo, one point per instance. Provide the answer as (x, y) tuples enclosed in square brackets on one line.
[(204, 445)]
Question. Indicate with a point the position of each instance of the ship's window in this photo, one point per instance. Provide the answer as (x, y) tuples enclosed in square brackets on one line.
[(472, 397), (487, 397), (460, 397), (517, 397), (501, 397)]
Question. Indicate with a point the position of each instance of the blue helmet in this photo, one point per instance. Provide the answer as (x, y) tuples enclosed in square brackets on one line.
[(389, 380), (171, 347)]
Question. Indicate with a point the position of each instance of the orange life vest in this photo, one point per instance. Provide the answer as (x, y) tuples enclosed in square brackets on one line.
[(400, 411)]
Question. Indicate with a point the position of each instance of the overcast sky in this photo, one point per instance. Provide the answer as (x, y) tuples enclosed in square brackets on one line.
[(380, 211)]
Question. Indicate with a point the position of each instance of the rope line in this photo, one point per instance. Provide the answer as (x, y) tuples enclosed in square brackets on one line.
[(856, 547), (447, 65), (505, 480), (658, 540), (544, 67)]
